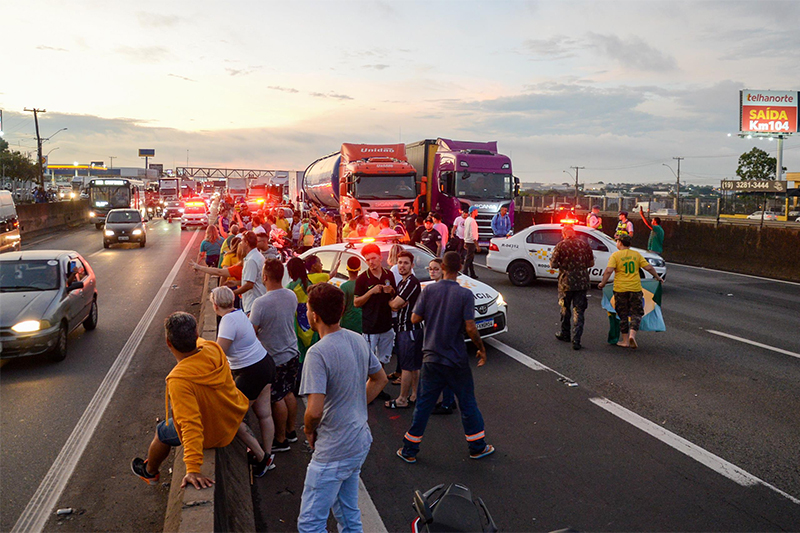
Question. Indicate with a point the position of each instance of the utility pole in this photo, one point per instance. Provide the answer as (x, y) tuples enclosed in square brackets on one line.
[(576, 185), (678, 189), (112, 157), (38, 142)]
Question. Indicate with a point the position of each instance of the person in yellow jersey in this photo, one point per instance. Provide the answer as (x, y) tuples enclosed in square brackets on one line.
[(625, 264)]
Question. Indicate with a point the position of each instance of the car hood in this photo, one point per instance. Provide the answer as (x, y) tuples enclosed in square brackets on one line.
[(18, 306), (484, 294), (127, 226), (646, 253)]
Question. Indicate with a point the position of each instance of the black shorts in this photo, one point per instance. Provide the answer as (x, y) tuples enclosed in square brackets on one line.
[(285, 379), (252, 379), (409, 349)]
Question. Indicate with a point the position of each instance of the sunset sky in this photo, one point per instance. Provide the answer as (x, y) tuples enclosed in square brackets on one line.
[(616, 87)]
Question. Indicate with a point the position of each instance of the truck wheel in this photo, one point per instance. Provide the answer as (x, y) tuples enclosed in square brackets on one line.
[(521, 273), (106, 244)]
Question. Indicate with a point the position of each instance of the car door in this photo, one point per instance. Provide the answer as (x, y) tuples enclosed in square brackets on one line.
[(89, 287), (73, 301), (340, 275), (539, 244), (601, 254)]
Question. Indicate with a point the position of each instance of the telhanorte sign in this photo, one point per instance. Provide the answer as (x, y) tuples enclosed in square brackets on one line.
[(766, 186), (768, 111)]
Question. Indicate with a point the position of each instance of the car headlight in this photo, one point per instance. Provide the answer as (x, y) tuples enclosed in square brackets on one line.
[(656, 262), (501, 300), (137, 232), (27, 326), (109, 233), (92, 214)]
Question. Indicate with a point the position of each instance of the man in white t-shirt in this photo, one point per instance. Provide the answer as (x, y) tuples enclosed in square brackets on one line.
[(252, 285), (470, 241), (457, 233)]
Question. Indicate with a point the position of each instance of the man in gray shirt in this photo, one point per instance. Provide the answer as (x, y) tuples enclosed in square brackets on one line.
[(252, 286), (334, 373), (272, 316)]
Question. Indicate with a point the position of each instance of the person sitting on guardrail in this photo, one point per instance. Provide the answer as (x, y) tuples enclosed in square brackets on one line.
[(207, 408)]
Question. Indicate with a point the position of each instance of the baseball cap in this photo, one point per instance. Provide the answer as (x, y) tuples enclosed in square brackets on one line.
[(429, 219), (258, 230), (472, 209), (595, 207)]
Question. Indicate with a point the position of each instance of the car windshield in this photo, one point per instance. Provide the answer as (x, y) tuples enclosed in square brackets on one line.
[(377, 187), (16, 276), (484, 185), (123, 217), (195, 210)]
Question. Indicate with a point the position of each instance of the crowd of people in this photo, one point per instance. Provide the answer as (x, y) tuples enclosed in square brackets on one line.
[(333, 345)]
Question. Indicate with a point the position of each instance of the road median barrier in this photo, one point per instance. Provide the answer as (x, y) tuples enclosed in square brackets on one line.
[(38, 219), (228, 505)]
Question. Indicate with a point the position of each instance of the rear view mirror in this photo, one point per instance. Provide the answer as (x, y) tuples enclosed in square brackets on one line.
[(422, 508), (75, 286)]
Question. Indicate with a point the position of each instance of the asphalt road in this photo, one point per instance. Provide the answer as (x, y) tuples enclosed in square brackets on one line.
[(42, 401), (564, 460)]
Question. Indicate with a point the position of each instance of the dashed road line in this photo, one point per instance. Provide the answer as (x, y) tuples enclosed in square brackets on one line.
[(753, 343), (40, 507), (704, 457)]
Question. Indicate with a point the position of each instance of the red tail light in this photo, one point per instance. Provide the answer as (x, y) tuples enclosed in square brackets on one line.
[(493, 247)]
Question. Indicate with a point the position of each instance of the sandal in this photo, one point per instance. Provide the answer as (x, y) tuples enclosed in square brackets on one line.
[(392, 404), (396, 381), (633, 344), (393, 375)]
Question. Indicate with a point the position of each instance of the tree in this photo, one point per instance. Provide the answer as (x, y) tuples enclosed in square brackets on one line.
[(3, 145), (17, 166), (756, 165)]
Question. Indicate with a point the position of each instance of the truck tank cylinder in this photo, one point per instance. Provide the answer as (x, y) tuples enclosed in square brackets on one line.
[(321, 181)]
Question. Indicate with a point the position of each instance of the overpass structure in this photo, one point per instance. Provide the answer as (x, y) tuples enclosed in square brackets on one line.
[(210, 173)]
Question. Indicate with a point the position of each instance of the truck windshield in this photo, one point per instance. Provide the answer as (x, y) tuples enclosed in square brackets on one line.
[(110, 196), (378, 187), (484, 186)]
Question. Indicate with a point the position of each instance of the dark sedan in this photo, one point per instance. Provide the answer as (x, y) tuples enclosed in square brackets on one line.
[(44, 295), (124, 225)]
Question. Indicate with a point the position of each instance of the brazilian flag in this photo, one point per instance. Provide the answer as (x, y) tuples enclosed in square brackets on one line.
[(652, 320)]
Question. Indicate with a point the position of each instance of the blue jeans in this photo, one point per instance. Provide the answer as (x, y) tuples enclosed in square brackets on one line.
[(331, 486), (433, 379)]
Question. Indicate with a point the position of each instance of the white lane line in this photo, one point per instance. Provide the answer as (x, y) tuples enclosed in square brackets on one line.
[(98, 252), (41, 505), (754, 343), (735, 274), (682, 445), (715, 463)]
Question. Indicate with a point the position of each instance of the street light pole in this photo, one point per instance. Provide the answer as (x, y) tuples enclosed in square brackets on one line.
[(678, 188), (576, 185)]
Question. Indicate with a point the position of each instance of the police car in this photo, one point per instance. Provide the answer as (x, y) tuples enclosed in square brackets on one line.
[(490, 307), (526, 256), (194, 214)]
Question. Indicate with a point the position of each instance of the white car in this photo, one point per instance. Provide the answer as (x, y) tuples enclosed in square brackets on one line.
[(194, 214), (490, 307), (767, 216), (526, 256)]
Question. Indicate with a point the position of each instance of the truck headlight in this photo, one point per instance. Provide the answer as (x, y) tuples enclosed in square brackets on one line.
[(181, 209), (27, 326), (92, 214), (109, 233)]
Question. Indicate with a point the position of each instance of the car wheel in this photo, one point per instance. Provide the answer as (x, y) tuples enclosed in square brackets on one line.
[(91, 321), (106, 244), (59, 352), (98, 226), (521, 273), (142, 243)]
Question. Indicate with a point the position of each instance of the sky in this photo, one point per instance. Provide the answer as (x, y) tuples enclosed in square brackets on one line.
[(619, 88)]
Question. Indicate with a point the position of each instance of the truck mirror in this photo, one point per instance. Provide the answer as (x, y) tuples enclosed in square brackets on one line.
[(516, 189), (465, 175)]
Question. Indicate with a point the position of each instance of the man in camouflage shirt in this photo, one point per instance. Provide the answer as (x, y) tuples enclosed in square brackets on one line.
[(573, 257)]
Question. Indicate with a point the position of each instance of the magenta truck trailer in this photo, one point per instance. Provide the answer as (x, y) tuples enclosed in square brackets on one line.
[(464, 174)]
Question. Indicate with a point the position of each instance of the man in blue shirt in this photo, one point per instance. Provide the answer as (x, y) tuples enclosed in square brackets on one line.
[(501, 223), (448, 310)]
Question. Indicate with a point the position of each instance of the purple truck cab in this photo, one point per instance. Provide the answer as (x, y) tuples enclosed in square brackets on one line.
[(464, 174)]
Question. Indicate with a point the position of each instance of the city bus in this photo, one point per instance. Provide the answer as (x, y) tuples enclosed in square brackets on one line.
[(113, 193)]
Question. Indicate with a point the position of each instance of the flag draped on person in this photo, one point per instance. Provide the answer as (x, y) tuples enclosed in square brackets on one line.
[(652, 320)]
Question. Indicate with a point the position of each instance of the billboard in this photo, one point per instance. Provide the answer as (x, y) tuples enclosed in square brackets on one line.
[(158, 167), (147, 152), (766, 186), (768, 111)]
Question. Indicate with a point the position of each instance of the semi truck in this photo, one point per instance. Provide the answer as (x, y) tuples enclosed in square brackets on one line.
[(459, 174), (373, 177), (169, 194), (237, 187)]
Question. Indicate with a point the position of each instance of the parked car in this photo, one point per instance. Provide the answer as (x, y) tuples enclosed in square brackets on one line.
[(44, 295), (526, 256), (124, 225), (9, 224), (664, 212), (768, 215)]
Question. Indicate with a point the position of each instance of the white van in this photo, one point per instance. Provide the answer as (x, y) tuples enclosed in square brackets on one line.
[(9, 224)]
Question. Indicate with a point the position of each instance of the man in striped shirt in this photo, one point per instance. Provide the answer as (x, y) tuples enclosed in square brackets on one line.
[(409, 335)]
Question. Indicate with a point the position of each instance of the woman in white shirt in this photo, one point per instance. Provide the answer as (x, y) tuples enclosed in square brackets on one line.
[(252, 370)]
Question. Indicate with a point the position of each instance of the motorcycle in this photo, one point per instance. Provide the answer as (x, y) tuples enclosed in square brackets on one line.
[(451, 509)]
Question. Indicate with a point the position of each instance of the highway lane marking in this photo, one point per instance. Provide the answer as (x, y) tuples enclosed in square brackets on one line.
[(40, 507), (702, 456), (98, 252), (735, 274), (719, 465), (754, 343)]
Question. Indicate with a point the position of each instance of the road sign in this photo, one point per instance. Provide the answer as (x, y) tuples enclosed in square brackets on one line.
[(767, 186)]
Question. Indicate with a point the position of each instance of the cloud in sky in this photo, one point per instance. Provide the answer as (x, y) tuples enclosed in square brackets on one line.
[(376, 67), (157, 20), (241, 71), (632, 52), (184, 78), (143, 54), (283, 89), (331, 95), (51, 48)]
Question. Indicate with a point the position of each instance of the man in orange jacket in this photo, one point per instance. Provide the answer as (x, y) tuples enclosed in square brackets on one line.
[(207, 408)]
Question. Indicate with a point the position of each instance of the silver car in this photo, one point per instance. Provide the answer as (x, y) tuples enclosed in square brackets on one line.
[(44, 295), (124, 225)]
